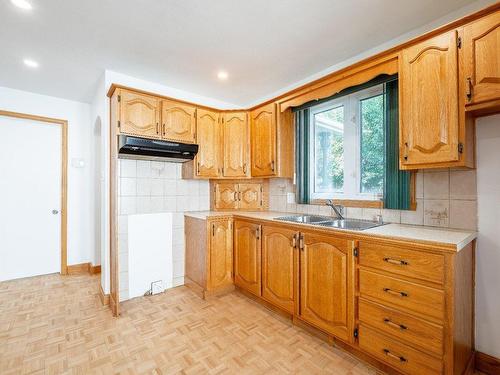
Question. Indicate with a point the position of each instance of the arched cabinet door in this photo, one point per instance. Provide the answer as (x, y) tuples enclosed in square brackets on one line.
[(178, 121), (247, 256), (278, 266), (429, 118), (327, 284), (209, 133), (226, 196), (139, 115), (263, 140), (221, 253), (482, 60), (236, 145)]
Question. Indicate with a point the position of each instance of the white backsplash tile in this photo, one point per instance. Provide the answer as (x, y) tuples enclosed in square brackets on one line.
[(463, 214), (128, 168), (436, 212), (463, 185), (437, 185), (144, 187), (143, 168), (414, 217), (128, 186)]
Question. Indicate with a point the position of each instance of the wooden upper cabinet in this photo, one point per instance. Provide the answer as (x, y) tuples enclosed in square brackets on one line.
[(221, 254), (250, 196), (139, 114), (429, 118), (326, 284), (263, 141), (226, 196), (209, 139), (178, 122), (247, 256), (482, 60), (236, 149), (278, 266)]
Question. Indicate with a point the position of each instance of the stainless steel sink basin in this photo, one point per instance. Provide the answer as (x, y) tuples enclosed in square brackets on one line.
[(351, 224), (306, 219), (325, 221)]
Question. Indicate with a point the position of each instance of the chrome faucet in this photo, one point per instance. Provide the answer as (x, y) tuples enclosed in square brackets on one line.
[(337, 208)]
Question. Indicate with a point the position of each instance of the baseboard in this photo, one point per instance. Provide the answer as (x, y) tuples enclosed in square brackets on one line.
[(104, 297), (83, 268), (487, 364)]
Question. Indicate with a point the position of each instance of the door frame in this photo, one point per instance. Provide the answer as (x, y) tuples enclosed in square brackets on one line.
[(64, 177)]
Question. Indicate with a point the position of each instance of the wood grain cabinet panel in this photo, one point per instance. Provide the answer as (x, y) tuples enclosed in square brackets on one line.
[(482, 59), (429, 119), (221, 254), (236, 144), (226, 196), (398, 355), (278, 271), (402, 294), (326, 284), (247, 256), (178, 121), (250, 196), (263, 141), (400, 261), (139, 115), (413, 331), (208, 159)]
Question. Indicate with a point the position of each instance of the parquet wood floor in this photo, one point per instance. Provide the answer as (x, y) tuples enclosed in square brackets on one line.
[(57, 325)]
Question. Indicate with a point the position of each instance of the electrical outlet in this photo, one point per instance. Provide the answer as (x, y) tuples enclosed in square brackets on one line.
[(157, 287)]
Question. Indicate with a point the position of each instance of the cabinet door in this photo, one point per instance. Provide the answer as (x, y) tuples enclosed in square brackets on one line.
[(278, 260), (209, 141), (236, 144), (178, 121), (250, 196), (247, 256), (226, 196), (482, 59), (326, 284), (139, 115), (221, 254), (263, 140), (429, 102)]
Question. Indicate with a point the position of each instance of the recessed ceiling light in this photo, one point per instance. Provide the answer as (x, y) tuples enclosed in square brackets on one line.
[(23, 4), (30, 63), (222, 75)]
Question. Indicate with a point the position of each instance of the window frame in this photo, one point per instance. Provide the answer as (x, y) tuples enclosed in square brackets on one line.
[(352, 117)]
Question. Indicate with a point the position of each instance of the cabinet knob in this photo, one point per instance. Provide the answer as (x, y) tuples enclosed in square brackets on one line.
[(469, 89)]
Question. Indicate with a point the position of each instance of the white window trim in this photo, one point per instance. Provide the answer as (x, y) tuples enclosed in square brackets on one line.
[(352, 109)]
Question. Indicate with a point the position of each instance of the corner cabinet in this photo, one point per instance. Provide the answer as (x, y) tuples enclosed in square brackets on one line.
[(429, 107), (482, 63), (247, 256), (139, 114), (236, 145), (209, 255)]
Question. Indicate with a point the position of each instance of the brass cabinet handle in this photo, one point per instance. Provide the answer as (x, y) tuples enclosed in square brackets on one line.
[(157, 128), (239, 195), (398, 357), (395, 325), (469, 89), (272, 165), (198, 168), (245, 168), (163, 129), (257, 233), (301, 241), (406, 151), (396, 293), (235, 196), (294, 241), (396, 261)]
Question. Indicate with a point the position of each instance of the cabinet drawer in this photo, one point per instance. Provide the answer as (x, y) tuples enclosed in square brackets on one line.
[(402, 326), (403, 294), (425, 266), (396, 354)]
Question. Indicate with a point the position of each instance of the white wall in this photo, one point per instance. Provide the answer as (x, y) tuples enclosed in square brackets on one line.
[(80, 243), (488, 244)]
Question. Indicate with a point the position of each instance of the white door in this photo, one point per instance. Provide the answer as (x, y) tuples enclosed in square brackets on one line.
[(30, 198)]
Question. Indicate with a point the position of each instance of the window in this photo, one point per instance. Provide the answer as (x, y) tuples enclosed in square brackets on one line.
[(347, 147)]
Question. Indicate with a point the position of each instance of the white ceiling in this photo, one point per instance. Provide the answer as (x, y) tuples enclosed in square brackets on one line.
[(265, 45)]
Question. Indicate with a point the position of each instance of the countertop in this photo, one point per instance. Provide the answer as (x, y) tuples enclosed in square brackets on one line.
[(452, 239)]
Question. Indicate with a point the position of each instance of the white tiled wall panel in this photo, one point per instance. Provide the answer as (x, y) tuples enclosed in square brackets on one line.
[(153, 187), (445, 198)]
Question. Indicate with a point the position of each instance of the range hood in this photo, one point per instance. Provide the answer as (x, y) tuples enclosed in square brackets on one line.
[(152, 149)]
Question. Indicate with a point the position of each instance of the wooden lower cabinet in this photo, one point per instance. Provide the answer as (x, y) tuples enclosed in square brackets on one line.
[(247, 256), (327, 284), (278, 266), (209, 255)]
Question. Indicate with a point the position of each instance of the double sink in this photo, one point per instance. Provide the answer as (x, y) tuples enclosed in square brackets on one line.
[(325, 221)]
